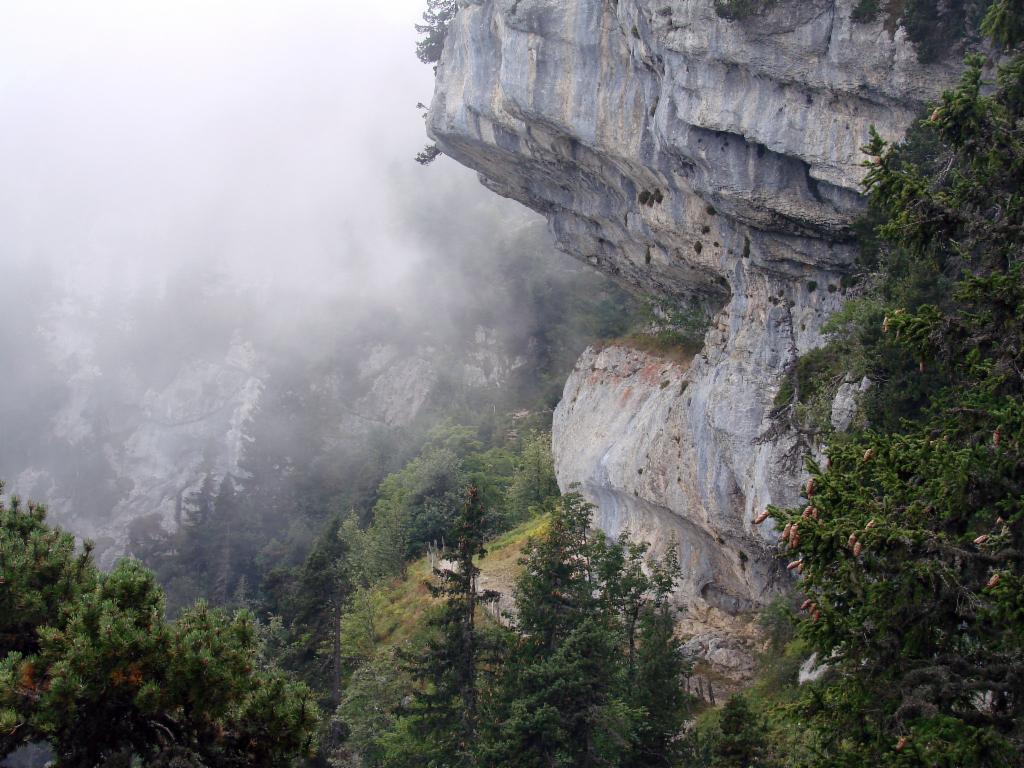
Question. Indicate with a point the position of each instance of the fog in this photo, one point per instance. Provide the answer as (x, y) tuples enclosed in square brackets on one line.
[(267, 139), (194, 195)]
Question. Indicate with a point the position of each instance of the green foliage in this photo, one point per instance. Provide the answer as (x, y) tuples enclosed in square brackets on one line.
[(670, 329), (779, 621), (865, 11), (434, 30), (428, 154), (415, 507), (740, 741), (737, 10), (806, 392), (1004, 24), (88, 664), (40, 575), (445, 711), (533, 480), (368, 710), (912, 543), (937, 28), (594, 674), (588, 673)]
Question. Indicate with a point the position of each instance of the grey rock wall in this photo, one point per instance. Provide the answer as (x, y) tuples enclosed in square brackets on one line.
[(690, 156)]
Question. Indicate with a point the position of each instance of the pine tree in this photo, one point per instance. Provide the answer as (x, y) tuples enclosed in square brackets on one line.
[(89, 664)]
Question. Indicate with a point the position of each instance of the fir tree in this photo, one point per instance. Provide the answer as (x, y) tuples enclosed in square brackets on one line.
[(434, 30), (912, 541), (739, 742), (445, 714)]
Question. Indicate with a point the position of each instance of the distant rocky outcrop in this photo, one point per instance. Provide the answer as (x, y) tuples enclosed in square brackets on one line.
[(146, 448)]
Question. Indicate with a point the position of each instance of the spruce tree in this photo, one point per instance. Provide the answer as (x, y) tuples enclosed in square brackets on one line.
[(594, 676), (911, 544), (445, 713), (657, 687), (739, 741)]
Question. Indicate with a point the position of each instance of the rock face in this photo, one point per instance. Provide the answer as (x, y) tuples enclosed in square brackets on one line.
[(631, 430), (694, 157), (147, 447)]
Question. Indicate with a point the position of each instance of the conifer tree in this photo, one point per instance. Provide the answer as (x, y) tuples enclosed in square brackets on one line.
[(594, 676), (434, 30), (739, 742), (533, 481), (89, 665), (445, 713), (657, 687), (912, 541)]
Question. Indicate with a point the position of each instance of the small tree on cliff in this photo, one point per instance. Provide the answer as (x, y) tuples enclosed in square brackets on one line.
[(434, 30)]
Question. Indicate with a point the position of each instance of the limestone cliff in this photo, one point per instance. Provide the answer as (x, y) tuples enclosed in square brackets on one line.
[(692, 156)]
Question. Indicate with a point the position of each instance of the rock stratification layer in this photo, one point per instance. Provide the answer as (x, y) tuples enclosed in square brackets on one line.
[(694, 157)]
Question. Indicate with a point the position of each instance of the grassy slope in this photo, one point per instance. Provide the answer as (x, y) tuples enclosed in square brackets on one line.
[(403, 604)]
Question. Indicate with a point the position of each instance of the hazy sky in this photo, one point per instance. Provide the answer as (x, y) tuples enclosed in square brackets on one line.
[(275, 137)]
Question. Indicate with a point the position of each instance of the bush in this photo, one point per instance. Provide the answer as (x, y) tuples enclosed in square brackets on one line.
[(737, 10), (89, 664), (865, 11)]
